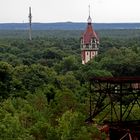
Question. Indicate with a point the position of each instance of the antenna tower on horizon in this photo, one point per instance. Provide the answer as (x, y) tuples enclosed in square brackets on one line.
[(30, 24)]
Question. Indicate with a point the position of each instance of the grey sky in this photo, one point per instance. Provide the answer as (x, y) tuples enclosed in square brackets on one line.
[(70, 10)]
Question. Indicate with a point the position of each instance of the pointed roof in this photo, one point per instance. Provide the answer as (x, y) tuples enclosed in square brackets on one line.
[(89, 33)]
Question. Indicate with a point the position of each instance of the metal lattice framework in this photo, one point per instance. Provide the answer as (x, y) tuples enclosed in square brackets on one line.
[(116, 100)]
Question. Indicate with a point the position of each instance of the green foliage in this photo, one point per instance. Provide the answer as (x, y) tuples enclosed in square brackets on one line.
[(69, 125), (44, 87), (6, 76), (121, 62)]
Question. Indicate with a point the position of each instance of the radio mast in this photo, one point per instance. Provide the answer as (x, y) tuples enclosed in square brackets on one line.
[(30, 24)]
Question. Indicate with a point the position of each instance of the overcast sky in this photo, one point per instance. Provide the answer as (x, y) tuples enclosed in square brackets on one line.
[(70, 10)]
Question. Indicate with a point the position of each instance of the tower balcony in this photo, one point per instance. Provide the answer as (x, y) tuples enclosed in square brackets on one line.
[(93, 47), (89, 49)]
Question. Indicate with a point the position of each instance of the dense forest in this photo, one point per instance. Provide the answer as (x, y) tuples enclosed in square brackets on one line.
[(44, 88)]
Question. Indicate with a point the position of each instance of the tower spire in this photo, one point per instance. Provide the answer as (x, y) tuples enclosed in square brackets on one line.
[(30, 24), (89, 18), (89, 42), (89, 10)]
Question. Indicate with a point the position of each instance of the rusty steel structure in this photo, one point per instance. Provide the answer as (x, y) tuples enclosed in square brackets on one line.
[(115, 101)]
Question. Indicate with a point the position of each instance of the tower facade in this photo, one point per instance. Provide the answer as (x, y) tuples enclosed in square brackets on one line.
[(89, 43)]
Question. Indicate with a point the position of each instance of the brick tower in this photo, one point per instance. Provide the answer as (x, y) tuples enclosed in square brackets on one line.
[(89, 43)]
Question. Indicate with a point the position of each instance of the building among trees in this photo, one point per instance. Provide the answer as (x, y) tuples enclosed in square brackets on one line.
[(89, 43)]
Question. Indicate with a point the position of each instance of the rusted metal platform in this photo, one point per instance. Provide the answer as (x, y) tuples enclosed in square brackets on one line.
[(115, 101)]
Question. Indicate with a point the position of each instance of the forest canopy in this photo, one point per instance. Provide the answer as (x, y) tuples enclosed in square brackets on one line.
[(44, 91)]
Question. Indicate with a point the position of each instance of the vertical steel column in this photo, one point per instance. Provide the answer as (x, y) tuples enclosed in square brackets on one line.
[(111, 113), (121, 102)]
